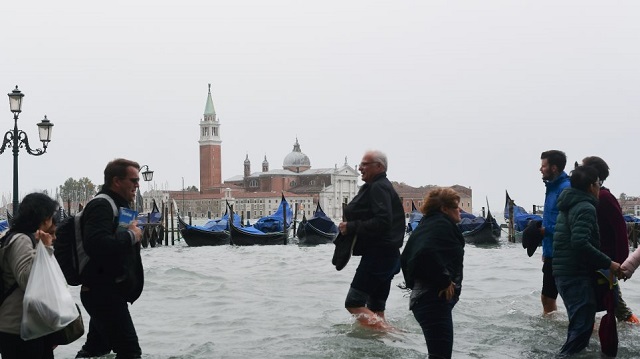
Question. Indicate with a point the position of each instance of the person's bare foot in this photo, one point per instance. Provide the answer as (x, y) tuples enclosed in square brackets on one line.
[(374, 322)]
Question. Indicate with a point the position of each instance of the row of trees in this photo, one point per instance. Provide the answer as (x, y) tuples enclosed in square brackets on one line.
[(78, 191)]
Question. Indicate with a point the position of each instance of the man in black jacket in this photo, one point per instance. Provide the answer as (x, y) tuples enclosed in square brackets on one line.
[(114, 275), (376, 216)]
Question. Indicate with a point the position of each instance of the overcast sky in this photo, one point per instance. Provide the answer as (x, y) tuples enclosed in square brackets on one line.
[(455, 92)]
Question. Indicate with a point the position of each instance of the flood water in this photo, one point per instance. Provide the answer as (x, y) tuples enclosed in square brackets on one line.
[(287, 302)]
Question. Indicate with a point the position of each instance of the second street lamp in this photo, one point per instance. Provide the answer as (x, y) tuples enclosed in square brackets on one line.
[(17, 139), (147, 176)]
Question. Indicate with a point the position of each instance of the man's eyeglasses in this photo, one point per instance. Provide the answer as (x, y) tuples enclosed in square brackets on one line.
[(133, 180), (362, 164)]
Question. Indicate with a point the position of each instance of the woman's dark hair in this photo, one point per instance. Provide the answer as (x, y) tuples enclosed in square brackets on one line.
[(599, 164), (34, 209), (582, 177)]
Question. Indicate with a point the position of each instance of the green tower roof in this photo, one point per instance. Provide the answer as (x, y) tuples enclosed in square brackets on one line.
[(208, 109)]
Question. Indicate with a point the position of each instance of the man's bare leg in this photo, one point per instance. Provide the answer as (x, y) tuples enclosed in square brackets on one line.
[(548, 304)]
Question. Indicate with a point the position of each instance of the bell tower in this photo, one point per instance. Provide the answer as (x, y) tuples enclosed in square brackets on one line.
[(210, 149)]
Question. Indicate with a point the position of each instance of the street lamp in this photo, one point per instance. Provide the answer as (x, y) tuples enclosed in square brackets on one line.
[(146, 176), (18, 139)]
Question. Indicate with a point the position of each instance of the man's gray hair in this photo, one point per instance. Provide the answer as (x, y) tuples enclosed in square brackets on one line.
[(380, 157)]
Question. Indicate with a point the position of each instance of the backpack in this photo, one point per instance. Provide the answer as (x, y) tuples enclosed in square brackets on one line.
[(4, 243), (68, 247)]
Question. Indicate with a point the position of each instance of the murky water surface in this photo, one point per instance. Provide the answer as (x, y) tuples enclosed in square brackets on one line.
[(287, 302)]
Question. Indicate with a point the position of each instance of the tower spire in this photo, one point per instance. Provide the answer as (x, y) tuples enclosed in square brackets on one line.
[(209, 110)]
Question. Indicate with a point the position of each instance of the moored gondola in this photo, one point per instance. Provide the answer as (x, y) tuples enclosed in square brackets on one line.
[(482, 231), (213, 233), (414, 218), (151, 226), (269, 230), (521, 217), (320, 229), (4, 225)]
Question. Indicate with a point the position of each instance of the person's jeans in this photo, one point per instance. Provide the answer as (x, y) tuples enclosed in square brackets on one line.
[(110, 316), (433, 313), (579, 298)]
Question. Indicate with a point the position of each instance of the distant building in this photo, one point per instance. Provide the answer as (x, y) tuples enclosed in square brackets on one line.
[(629, 204), (416, 195)]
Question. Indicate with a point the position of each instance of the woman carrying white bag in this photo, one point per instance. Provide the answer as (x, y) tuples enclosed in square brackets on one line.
[(19, 264)]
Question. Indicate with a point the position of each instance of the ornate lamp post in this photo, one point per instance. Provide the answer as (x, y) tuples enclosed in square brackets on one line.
[(17, 139)]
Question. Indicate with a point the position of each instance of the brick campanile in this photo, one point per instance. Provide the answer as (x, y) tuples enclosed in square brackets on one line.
[(210, 149)]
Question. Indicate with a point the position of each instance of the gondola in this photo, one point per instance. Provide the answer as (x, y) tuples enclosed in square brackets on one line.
[(213, 233), (521, 217), (267, 230), (4, 225), (320, 229), (151, 226), (414, 218), (479, 230)]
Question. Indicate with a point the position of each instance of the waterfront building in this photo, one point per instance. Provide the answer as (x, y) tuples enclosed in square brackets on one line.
[(416, 195), (630, 204)]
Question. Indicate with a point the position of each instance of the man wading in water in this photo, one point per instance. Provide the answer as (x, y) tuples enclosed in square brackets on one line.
[(376, 216)]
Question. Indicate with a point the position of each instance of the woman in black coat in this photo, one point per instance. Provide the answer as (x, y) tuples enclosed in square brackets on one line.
[(432, 268)]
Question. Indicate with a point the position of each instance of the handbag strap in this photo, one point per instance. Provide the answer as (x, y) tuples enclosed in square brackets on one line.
[(6, 294)]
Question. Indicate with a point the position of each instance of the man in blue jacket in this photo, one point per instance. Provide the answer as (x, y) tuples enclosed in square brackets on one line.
[(376, 216), (556, 180)]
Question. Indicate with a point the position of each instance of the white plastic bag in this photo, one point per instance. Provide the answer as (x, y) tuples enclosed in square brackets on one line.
[(47, 305)]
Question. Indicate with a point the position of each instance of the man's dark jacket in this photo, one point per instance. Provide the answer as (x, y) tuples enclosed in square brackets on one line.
[(113, 258), (376, 216)]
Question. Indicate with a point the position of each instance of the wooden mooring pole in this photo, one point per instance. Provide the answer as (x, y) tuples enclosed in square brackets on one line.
[(172, 231), (295, 218), (511, 234), (165, 216)]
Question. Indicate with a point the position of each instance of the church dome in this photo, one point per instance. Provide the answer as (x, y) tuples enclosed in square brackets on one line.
[(296, 160)]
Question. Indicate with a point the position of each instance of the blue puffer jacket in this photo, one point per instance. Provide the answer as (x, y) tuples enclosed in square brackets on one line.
[(554, 188), (576, 243)]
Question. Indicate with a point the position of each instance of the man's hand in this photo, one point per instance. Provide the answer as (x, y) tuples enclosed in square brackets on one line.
[(615, 267), (137, 232), (343, 228)]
